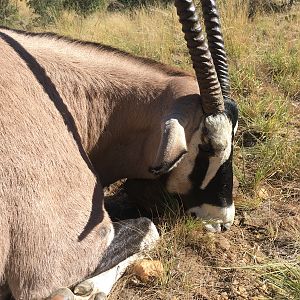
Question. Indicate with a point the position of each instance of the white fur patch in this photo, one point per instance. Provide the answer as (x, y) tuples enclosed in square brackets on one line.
[(111, 235), (150, 239), (213, 167), (236, 127), (220, 136), (214, 216), (104, 282), (178, 181)]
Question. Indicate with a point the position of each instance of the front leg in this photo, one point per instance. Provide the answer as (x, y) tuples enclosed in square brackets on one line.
[(132, 238), (104, 282), (67, 294)]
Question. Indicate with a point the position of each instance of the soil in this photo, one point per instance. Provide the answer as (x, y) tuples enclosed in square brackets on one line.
[(228, 265)]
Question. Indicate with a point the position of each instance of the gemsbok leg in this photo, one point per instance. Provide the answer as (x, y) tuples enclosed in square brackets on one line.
[(132, 238)]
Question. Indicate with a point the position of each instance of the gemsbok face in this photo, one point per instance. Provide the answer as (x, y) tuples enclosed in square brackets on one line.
[(198, 166), (204, 178)]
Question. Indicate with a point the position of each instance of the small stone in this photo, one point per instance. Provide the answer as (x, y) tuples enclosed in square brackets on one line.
[(147, 270), (263, 194), (223, 243), (263, 288), (224, 296), (259, 259), (243, 292)]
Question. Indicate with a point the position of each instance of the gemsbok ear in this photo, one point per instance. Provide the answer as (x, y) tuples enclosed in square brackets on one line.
[(171, 149)]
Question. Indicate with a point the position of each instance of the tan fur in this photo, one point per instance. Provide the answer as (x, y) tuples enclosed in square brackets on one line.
[(57, 102), (105, 91), (47, 189)]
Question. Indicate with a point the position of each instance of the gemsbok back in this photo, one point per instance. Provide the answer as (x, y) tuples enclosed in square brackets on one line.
[(76, 116)]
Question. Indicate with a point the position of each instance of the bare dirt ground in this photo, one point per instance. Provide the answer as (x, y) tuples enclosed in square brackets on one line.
[(229, 265)]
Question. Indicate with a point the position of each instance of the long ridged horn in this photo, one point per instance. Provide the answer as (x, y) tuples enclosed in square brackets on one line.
[(210, 90), (216, 43)]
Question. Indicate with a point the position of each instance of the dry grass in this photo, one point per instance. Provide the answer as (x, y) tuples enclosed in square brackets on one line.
[(264, 58)]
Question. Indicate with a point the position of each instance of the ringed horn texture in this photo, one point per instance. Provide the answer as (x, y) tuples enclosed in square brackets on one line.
[(216, 43), (210, 89)]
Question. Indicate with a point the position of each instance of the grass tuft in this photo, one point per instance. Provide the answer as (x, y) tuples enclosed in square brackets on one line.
[(285, 279)]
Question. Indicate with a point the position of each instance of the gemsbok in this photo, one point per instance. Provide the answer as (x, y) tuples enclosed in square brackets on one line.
[(76, 116)]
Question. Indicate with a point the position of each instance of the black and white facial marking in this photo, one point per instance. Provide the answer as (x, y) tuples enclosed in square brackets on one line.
[(204, 178)]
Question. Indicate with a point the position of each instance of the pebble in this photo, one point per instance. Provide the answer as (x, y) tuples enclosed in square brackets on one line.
[(224, 296), (224, 243), (147, 270), (263, 194)]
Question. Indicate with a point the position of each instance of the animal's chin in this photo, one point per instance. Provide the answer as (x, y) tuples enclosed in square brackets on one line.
[(215, 218)]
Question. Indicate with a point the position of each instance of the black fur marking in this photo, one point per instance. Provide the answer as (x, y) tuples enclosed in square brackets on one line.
[(219, 190), (129, 235), (231, 111), (165, 168), (148, 194), (206, 148)]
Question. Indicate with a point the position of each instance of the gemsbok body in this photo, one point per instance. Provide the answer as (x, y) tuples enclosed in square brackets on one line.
[(77, 116)]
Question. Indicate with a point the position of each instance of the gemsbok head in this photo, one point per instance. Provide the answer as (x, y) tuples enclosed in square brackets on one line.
[(199, 170)]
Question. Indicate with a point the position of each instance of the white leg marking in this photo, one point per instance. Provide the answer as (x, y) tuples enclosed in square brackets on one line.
[(76, 297), (150, 239), (105, 281), (111, 235), (214, 216)]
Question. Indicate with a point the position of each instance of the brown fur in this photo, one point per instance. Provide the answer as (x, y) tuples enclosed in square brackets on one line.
[(60, 99), (105, 91)]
